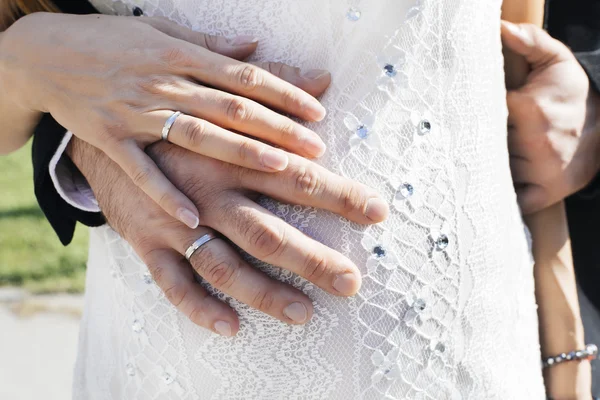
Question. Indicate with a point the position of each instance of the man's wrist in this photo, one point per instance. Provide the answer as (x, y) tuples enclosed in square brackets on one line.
[(86, 157)]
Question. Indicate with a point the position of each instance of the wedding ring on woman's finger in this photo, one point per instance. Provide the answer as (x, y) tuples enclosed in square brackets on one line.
[(201, 241), (168, 124)]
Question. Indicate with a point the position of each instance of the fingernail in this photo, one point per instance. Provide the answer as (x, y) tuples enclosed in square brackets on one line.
[(315, 74), (188, 218), (314, 145), (315, 110), (518, 31), (223, 328), (347, 284), (242, 40), (274, 159), (377, 209), (297, 312)]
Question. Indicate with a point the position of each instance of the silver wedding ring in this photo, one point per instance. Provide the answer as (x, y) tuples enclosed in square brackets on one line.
[(199, 243), (168, 124)]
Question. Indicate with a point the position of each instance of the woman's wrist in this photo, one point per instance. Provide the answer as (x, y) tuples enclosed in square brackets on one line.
[(20, 81), (569, 381)]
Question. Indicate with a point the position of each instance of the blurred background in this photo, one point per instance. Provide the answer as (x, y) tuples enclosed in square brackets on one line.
[(41, 286)]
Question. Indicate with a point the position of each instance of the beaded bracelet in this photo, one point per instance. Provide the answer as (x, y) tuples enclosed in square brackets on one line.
[(589, 353)]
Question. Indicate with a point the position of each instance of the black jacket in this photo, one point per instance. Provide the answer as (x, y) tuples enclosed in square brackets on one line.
[(575, 22)]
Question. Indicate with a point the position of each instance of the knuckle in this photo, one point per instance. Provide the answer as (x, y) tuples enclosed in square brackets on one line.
[(219, 272), (236, 110), (175, 57), (198, 314), (141, 175), (267, 240), (156, 84), (250, 77), (288, 130), (245, 150), (112, 130), (350, 199), (175, 293), (307, 181), (540, 109), (315, 267), (263, 300), (194, 133), (166, 200), (291, 99)]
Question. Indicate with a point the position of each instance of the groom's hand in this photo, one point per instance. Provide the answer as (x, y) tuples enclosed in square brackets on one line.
[(224, 195), (553, 138)]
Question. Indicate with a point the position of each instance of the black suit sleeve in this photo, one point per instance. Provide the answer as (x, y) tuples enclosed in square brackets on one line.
[(61, 215), (46, 140)]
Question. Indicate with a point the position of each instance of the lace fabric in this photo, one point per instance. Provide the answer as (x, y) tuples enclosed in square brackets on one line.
[(417, 111)]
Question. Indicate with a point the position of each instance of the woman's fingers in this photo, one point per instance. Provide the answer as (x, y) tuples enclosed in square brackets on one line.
[(222, 267), (244, 79), (205, 138), (312, 81), (174, 277), (142, 170), (238, 47), (270, 239), (239, 114)]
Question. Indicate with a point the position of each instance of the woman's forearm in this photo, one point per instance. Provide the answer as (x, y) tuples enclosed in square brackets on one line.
[(561, 328), (556, 291), (17, 121)]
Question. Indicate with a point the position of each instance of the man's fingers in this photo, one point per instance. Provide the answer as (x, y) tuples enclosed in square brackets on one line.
[(533, 43), (174, 277), (270, 239), (309, 184), (223, 268), (239, 47)]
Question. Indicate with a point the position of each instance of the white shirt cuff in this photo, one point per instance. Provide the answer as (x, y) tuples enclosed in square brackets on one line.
[(70, 184)]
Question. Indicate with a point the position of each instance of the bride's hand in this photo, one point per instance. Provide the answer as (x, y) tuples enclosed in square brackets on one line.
[(114, 82)]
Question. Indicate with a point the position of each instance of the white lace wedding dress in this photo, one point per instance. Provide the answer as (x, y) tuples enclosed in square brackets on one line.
[(447, 309)]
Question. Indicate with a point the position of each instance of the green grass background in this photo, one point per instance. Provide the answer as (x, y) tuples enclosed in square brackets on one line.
[(31, 256)]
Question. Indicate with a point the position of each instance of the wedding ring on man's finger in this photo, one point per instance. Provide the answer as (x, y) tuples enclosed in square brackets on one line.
[(168, 124), (201, 241)]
